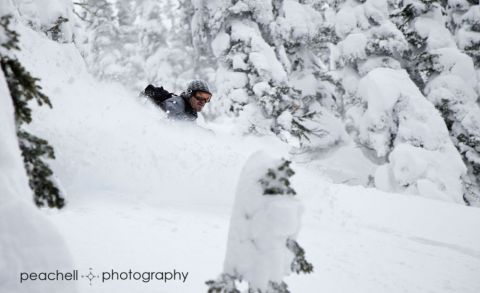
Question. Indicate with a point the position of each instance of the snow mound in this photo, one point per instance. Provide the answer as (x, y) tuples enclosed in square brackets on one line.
[(259, 228), (29, 242)]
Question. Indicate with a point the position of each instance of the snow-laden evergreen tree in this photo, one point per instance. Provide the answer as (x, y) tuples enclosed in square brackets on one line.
[(465, 22), (194, 15), (262, 249), (130, 62), (23, 88), (447, 75), (152, 44), (54, 18), (28, 238), (303, 38), (100, 45), (139, 42), (386, 112), (270, 74), (170, 61), (113, 47)]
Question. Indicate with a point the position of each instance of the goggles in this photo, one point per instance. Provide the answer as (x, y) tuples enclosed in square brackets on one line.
[(201, 99)]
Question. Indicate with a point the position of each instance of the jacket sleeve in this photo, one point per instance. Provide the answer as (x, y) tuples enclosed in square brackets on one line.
[(175, 108), (157, 94)]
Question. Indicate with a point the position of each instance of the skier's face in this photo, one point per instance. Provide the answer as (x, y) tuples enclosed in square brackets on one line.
[(199, 100)]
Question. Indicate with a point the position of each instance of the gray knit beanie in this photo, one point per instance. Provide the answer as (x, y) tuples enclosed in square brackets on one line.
[(197, 85)]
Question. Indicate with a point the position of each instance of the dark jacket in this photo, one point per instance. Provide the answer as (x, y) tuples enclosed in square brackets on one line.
[(176, 107)]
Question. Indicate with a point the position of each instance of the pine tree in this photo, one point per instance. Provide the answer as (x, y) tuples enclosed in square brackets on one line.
[(224, 284), (55, 32), (465, 24), (153, 31), (166, 36), (55, 21), (129, 62), (446, 75), (140, 42), (260, 64), (23, 88), (302, 38), (198, 29), (100, 46), (420, 63), (385, 111), (367, 41), (299, 264), (114, 48), (277, 288), (277, 182)]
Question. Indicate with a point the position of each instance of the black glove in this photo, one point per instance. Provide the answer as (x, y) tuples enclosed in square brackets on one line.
[(149, 90), (157, 94)]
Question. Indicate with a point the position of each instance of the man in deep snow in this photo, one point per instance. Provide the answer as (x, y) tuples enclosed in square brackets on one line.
[(184, 106)]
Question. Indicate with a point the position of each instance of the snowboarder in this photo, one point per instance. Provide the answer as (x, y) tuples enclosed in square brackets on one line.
[(184, 106)]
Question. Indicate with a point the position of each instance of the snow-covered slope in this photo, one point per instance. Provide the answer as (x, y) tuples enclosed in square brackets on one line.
[(146, 195), (364, 240), (359, 240)]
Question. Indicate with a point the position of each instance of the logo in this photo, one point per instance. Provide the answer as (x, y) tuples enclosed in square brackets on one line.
[(90, 276), (105, 276)]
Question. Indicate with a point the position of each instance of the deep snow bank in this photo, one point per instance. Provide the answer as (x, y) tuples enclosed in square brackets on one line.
[(107, 138), (28, 240)]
